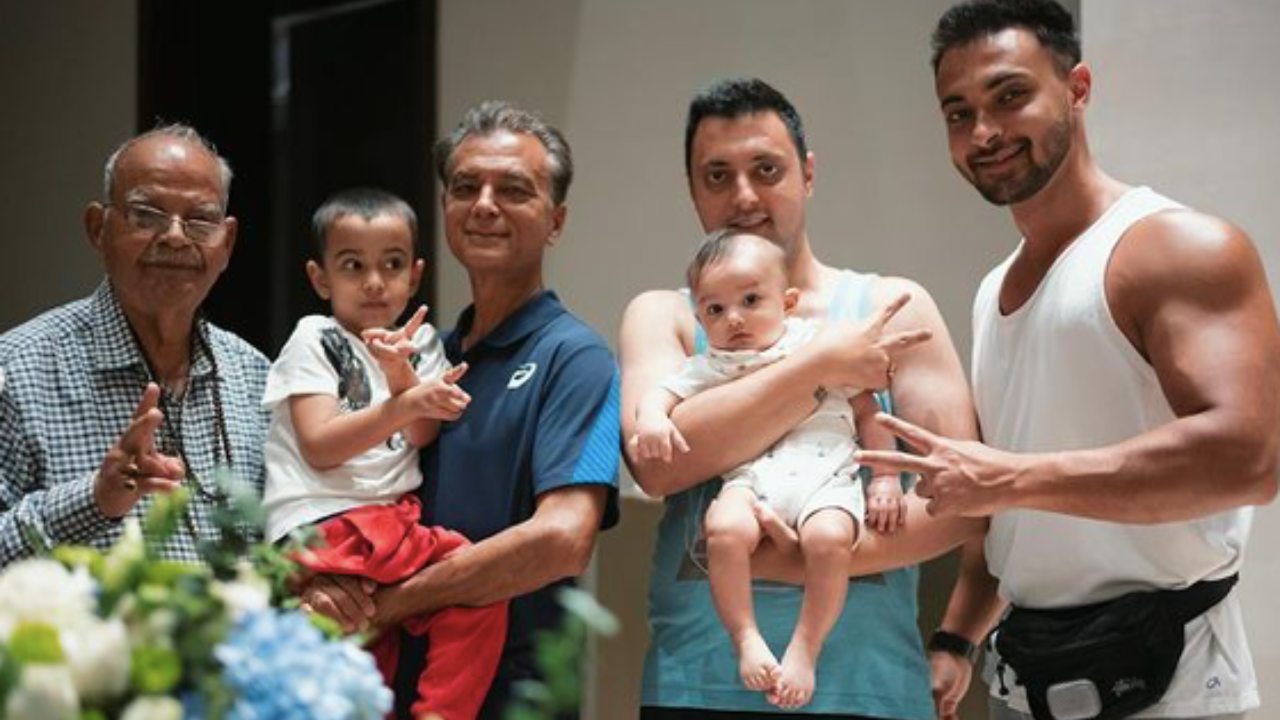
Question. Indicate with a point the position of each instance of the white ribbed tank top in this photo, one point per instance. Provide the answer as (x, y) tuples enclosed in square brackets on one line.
[(1058, 374)]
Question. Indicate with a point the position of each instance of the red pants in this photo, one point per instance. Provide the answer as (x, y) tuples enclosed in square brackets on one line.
[(386, 544)]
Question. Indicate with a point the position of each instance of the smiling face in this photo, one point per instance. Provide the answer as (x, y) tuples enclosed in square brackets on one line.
[(1010, 114), (154, 269), (369, 272), (742, 298), (745, 175), (499, 215)]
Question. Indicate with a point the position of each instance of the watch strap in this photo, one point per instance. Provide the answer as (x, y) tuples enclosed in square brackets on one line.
[(949, 642)]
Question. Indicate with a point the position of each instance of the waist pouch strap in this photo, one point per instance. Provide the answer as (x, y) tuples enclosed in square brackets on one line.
[(1107, 660)]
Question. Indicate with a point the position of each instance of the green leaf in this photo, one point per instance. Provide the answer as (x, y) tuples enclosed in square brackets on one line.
[(164, 516), (36, 643), (167, 572), (74, 556), (10, 675), (583, 605), (154, 670), (326, 625)]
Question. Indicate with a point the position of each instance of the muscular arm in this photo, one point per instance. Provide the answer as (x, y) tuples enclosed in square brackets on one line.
[(555, 543), (1190, 293)]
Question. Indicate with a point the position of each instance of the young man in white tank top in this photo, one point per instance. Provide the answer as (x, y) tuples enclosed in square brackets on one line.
[(1123, 370)]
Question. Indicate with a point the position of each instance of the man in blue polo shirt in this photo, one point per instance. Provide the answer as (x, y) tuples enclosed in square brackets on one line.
[(529, 473)]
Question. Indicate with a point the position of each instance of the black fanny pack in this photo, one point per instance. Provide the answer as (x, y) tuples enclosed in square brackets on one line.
[(1103, 661)]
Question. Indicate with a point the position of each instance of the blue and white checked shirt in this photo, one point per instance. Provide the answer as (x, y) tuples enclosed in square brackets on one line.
[(70, 381)]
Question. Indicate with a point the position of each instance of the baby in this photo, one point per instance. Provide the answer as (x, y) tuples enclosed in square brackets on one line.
[(803, 492)]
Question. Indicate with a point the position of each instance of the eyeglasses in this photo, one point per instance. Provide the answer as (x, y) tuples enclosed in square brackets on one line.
[(154, 220)]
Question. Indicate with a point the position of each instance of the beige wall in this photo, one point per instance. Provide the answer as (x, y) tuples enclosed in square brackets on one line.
[(67, 84), (1181, 103)]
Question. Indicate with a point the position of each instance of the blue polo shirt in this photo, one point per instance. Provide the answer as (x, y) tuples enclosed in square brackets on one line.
[(544, 414)]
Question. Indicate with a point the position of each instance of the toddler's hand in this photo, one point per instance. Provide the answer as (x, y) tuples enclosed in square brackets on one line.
[(393, 348), (886, 505), (656, 437), (441, 398)]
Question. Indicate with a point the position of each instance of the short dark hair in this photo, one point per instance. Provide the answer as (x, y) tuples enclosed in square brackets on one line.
[(496, 116), (1052, 24), (363, 202), (735, 97), (716, 246)]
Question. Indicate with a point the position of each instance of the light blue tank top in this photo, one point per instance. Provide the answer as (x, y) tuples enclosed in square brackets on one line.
[(872, 663)]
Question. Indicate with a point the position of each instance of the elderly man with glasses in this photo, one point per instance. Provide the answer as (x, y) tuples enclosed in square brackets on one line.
[(130, 392)]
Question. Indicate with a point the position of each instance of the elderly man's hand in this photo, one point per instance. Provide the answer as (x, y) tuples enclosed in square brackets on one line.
[(345, 599), (133, 467), (958, 477)]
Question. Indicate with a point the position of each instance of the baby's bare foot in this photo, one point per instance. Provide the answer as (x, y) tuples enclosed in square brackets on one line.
[(795, 684), (756, 663), (784, 536)]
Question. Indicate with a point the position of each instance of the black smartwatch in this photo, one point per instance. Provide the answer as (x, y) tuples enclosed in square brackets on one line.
[(949, 642)]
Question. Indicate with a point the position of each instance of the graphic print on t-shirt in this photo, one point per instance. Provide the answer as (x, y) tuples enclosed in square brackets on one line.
[(353, 379)]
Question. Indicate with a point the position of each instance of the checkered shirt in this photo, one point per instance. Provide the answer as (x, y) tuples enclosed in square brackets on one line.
[(70, 381)]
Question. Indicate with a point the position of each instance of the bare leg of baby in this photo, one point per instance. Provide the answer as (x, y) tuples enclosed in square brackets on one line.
[(732, 535), (826, 539)]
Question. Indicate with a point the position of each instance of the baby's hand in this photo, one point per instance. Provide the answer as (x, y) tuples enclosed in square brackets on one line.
[(393, 348), (886, 505), (441, 398), (655, 437)]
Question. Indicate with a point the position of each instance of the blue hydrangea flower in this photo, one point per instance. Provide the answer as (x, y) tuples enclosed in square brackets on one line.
[(281, 667)]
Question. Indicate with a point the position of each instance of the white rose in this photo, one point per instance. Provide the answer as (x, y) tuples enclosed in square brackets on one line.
[(98, 655), (45, 692), (153, 707), (248, 592), (42, 590)]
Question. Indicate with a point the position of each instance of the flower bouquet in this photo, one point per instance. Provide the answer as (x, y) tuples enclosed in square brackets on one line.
[(125, 635)]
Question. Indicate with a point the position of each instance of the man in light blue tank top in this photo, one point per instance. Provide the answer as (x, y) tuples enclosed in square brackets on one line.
[(749, 168)]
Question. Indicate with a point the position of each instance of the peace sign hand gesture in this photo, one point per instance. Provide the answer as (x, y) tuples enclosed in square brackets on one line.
[(393, 348), (862, 355), (957, 477), (133, 467)]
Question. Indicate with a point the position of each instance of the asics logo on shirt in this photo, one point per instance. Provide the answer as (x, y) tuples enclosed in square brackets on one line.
[(522, 375)]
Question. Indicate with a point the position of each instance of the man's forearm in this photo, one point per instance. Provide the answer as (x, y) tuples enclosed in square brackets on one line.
[(1191, 468), (731, 424), (923, 538), (975, 606), (517, 561)]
